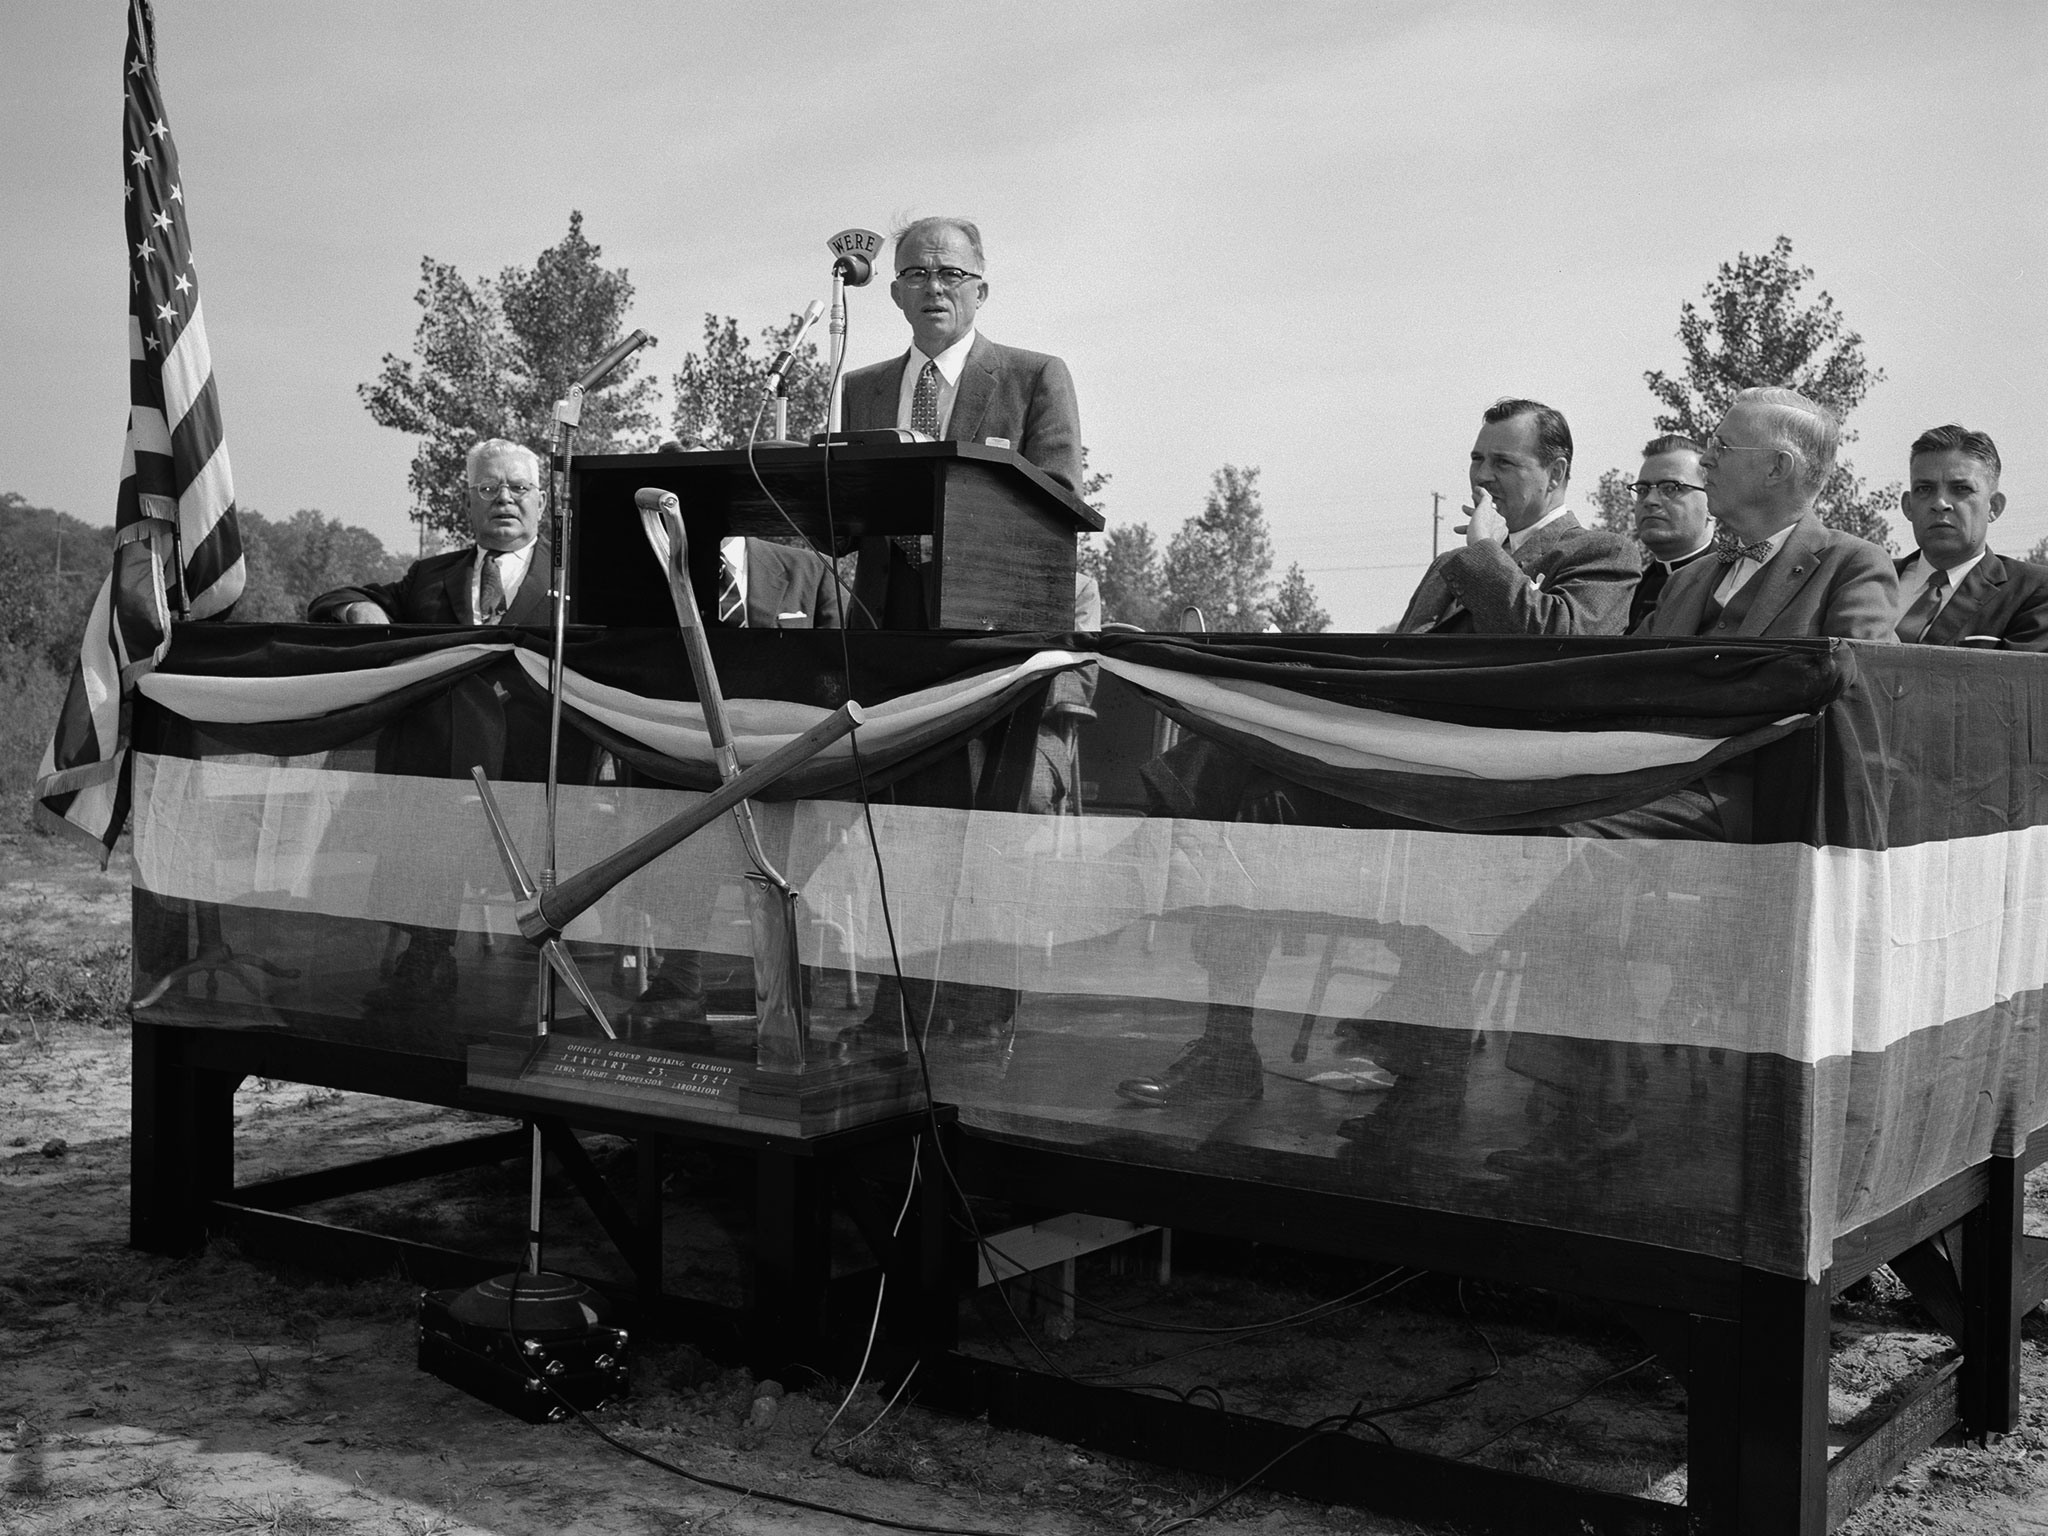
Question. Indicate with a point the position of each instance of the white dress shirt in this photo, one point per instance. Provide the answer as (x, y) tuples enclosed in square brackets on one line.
[(952, 363), (1738, 574), (1914, 582), (1509, 541), (512, 564)]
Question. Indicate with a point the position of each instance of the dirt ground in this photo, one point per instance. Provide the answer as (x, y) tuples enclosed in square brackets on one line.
[(218, 1394)]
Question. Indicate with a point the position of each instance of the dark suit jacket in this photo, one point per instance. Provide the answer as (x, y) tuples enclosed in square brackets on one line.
[(489, 719), (789, 588), (1821, 582), (436, 591), (1027, 397), (2007, 599), (1650, 590), (1564, 579)]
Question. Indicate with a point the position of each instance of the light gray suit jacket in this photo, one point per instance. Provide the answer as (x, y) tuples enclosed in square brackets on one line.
[(1564, 579), (1822, 582)]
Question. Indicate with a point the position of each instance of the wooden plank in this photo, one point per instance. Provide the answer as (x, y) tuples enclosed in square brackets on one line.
[(1349, 1469), (1713, 1422), (1783, 1430), (1859, 1252), (380, 1172), (1992, 1277), (1866, 1464), (1056, 1240), (1317, 1221), (1932, 1279), (2034, 1273)]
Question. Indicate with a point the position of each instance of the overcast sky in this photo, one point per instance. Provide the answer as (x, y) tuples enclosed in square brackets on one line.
[(1318, 239)]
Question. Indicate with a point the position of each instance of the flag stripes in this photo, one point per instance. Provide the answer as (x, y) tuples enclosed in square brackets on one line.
[(176, 539)]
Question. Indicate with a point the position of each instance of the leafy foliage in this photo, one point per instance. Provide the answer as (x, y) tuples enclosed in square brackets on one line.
[(1614, 503), (1222, 560), (1126, 566), (293, 561), (51, 567), (491, 358), (718, 391), (1295, 610), (1756, 329)]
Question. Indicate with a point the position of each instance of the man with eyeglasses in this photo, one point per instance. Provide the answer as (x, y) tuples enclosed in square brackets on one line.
[(489, 582), (490, 718), (1671, 518), (1779, 572), (954, 384), (1953, 590)]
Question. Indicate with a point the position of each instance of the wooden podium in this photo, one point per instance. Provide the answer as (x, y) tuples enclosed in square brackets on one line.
[(1002, 530)]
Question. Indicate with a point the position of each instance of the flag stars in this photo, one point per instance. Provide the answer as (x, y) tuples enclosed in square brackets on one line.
[(158, 129), (167, 313), (160, 220), (183, 284), (145, 250), (177, 193), (135, 66), (139, 157)]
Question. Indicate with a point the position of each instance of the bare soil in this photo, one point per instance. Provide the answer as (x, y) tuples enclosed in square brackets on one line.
[(217, 1394)]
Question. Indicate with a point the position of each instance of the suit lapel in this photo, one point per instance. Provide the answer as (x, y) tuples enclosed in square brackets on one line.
[(1780, 581), (977, 388), (453, 580), (530, 604), (1433, 597), (885, 388), (1682, 605), (1960, 617)]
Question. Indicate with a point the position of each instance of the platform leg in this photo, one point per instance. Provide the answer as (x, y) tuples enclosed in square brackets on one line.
[(792, 1262), (1782, 1440), (647, 1174), (181, 1146), (1713, 1423), (1991, 1284)]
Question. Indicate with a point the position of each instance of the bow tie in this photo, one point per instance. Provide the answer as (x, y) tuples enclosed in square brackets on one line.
[(1728, 549)]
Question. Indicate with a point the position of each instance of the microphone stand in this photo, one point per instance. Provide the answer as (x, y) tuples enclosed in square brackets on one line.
[(833, 410)]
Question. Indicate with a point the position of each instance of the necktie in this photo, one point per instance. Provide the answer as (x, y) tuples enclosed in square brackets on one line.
[(490, 597), (732, 602), (924, 403), (1918, 619), (1728, 549)]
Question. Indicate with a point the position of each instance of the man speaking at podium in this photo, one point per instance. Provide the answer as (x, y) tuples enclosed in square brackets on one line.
[(954, 384)]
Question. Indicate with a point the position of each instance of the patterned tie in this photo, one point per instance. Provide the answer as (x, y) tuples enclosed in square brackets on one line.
[(732, 603), (490, 598), (1728, 549), (1918, 619), (924, 403)]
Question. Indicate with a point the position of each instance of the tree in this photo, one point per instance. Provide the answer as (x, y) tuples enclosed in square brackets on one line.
[(1127, 569), (51, 567), (719, 391), (294, 561), (1614, 503), (1222, 561), (1755, 330), (1295, 609), (493, 356)]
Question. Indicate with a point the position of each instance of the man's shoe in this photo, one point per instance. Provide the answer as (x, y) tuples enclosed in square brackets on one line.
[(422, 983), (1208, 1072)]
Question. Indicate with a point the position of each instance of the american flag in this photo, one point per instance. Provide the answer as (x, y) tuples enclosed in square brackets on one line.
[(178, 551)]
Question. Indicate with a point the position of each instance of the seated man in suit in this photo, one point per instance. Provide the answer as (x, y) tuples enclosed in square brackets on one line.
[(1953, 590), (1779, 572), (500, 579), (1528, 567), (954, 385), (1671, 518), (764, 584)]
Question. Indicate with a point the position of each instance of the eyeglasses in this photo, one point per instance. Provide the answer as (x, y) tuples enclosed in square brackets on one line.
[(490, 490), (1668, 489), (944, 277), (1719, 444)]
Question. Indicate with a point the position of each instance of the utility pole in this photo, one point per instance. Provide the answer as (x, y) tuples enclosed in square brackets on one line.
[(1436, 519)]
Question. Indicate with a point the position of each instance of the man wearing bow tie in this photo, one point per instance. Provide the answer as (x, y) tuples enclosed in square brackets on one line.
[(1779, 572), (1953, 590), (1527, 567)]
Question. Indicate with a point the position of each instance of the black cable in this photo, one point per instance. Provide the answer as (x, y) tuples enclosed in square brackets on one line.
[(1612, 1376)]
